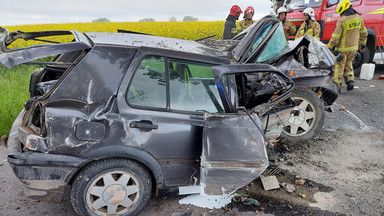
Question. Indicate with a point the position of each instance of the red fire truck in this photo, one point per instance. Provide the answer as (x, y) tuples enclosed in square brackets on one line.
[(372, 12)]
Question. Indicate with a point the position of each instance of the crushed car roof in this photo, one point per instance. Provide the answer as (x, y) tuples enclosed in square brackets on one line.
[(12, 57), (140, 40)]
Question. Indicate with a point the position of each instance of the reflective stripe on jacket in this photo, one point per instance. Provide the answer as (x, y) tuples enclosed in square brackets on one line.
[(312, 29), (349, 32), (243, 24)]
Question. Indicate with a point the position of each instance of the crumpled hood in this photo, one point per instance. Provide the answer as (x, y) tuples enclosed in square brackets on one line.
[(319, 56)]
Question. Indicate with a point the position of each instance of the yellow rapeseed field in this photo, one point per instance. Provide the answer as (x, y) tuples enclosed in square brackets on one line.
[(183, 30)]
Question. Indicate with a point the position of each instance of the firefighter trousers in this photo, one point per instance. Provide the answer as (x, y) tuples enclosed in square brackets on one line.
[(344, 68)]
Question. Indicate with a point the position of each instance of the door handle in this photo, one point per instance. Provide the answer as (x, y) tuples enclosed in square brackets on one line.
[(143, 124)]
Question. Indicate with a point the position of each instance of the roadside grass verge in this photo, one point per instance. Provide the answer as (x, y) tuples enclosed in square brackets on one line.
[(14, 85)]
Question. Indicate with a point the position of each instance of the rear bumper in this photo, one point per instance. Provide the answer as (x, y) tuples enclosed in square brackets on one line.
[(43, 175)]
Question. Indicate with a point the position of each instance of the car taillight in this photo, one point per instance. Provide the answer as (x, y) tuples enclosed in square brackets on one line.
[(36, 143)]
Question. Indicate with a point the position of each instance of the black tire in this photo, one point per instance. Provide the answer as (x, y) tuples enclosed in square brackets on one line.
[(36, 77), (360, 59), (120, 186), (307, 118)]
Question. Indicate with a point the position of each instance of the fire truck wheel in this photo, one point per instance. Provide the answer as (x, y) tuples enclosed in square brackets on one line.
[(360, 59)]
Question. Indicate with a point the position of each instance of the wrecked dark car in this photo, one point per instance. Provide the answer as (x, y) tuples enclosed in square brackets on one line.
[(119, 117), (307, 61)]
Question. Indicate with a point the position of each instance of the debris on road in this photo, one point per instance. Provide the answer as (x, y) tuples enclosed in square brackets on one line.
[(207, 201), (348, 195), (299, 181), (273, 170), (288, 187), (242, 199), (270, 182), (250, 201)]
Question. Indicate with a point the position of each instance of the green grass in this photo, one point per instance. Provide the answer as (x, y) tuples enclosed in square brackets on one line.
[(14, 84)]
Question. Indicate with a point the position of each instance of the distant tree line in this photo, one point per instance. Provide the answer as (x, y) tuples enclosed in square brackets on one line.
[(172, 19), (101, 20)]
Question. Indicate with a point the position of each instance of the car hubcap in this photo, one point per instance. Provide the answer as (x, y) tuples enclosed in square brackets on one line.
[(113, 192), (302, 118)]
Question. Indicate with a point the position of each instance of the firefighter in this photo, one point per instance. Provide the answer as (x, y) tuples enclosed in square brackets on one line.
[(289, 28), (310, 26), (247, 21), (348, 33), (230, 30)]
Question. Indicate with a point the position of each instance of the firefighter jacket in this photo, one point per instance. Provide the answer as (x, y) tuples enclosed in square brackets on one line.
[(290, 31), (349, 32), (230, 30), (313, 29), (243, 24)]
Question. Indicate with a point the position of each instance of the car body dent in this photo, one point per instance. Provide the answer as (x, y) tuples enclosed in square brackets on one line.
[(164, 43), (92, 93), (314, 63)]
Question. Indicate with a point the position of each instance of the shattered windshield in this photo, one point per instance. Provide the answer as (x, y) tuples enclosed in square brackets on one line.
[(258, 40), (275, 45), (301, 4)]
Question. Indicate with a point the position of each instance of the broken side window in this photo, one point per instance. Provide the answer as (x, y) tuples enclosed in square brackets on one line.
[(193, 88)]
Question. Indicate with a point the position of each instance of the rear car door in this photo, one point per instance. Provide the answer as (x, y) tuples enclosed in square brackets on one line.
[(162, 101)]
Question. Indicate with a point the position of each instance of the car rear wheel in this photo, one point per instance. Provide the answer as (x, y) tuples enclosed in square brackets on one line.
[(111, 187), (307, 117)]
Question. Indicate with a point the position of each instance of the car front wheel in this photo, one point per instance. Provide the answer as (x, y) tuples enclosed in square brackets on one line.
[(307, 117), (111, 187)]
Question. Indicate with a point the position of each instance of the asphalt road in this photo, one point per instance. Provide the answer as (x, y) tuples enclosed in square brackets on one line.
[(358, 115)]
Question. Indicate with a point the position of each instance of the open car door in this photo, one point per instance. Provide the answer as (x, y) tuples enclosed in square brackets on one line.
[(234, 144)]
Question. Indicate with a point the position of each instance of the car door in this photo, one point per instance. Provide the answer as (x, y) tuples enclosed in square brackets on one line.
[(234, 145), (162, 103)]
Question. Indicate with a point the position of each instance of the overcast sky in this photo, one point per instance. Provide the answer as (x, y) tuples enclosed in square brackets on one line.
[(21, 12)]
